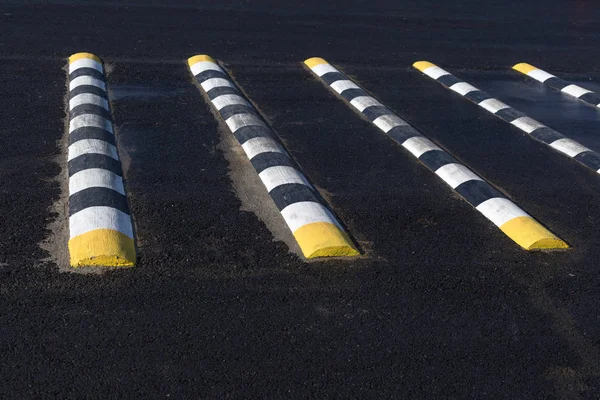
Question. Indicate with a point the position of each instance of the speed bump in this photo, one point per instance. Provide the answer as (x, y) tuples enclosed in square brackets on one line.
[(533, 128), (496, 207), (315, 228), (101, 232)]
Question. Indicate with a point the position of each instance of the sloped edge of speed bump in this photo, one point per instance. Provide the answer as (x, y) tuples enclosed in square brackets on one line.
[(524, 68), (531, 235)]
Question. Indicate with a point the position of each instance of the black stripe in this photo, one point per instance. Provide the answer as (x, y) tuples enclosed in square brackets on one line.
[(477, 96), (546, 135), (476, 192), (90, 132), (448, 80), (591, 98), (271, 159), (235, 109), (97, 196), (374, 112), (290, 193), (434, 159), (210, 73), (349, 94), (403, 132), (331, 77), (590, 159), (92, 160), (91, 72), (556, 83), (88, 89), (246, 133), (89, 109), (509, 114), (221, 90)]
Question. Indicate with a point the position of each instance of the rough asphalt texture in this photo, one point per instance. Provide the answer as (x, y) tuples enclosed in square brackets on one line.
[(442, 306)]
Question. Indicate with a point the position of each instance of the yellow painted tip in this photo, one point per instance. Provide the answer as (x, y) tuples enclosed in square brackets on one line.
[(529, 234), (79, 56), (423, 65), (524, 68), (314, 61), (102, 248), (199, 58), (322, 239)]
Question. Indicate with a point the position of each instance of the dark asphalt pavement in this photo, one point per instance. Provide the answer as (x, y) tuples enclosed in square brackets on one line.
[(442, 306)]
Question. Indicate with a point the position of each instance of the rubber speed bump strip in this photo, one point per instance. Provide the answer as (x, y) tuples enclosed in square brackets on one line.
[(533, 128), (556, 83), (512, 220), (315, 228), (101, 232)]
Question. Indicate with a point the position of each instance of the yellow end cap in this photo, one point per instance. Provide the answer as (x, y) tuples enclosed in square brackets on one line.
[(102, 248), (79, 56), (423, 65), (529, 234), (313, 62), (199, 58), (524, 68), (322, 239)]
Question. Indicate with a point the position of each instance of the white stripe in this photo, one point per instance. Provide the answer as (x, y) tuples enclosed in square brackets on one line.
[(258, 145), (86, 80), (238, 121), (216, 82), (539, 75), (340, 86), (362, 102), (94, 146), (85, 63), (228, 100), (419, 145), (322, 69), (576, 91), (463, 88), (297, 215), (493, 105), (456, 174), (100, 217), (435, 72), (280, 175), (388, 122), (95, 177), (202, 66), (88, 98), (500, 210), (527, 124), (92, 120), (569, 147)]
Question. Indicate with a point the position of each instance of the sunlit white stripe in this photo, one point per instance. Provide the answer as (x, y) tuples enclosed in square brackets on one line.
[(258, 145), (540, 75), (95, 177), (340, 86), (569, 147), (85, 63), (216, 82), (238, 121), (322, 69), (202, 66), (435, 72), (297, 215), (94, 146), (228, 100), (100, 217), (91, 120), (500, 210), (88, 81), (527, 124), (388, 122), (281, 175), (362, 102), (419, 145), (463, 88), (456, 174), (493, 105), (574, 90), (88, 98)]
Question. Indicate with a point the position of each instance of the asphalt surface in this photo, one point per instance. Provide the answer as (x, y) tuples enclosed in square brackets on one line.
[(442, 305)]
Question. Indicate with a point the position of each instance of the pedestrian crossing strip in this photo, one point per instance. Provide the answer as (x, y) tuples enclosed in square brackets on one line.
[(557, 83), (533, 128), (495, 206)]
